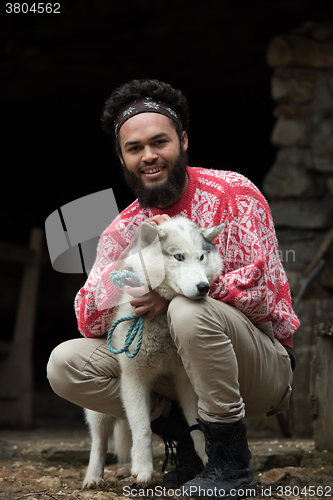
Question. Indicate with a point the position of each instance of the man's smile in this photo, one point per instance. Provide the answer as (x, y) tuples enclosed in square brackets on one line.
[(153, 171)]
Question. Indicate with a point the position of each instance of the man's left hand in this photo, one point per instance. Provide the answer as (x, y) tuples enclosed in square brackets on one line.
[(151, 303)]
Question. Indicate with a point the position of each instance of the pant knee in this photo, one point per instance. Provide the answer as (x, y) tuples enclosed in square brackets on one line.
[(56, 371), (183, 316), (193, 323), (179, 310)]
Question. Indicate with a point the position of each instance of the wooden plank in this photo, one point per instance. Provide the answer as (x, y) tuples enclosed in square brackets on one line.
[(27, 302), (5, 347), (311, 313), (321, 393), (16, 371), (22, 255), (16, 253)]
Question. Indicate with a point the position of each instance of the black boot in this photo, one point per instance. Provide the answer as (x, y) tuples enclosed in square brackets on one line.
[(228, 472), (173, 430)]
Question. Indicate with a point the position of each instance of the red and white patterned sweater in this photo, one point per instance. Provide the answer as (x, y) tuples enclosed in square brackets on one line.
[(253, 280)]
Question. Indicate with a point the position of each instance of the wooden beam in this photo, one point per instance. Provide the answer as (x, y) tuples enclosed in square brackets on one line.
[(16, 253), (16, 369)]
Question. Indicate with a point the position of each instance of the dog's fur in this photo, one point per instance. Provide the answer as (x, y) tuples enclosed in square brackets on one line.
[(186, 256)]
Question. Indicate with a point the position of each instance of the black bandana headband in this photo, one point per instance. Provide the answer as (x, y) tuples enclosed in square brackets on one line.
[(145, 105)]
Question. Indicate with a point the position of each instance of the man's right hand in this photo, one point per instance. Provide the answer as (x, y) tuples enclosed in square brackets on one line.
[(156, 220)]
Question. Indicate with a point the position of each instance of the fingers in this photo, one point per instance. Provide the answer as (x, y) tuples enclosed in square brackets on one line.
[(140, 310), (150, 304), (157, 220), (140, 300)]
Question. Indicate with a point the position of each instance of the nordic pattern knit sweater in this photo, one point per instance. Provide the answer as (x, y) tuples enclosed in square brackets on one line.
[(253, 279)]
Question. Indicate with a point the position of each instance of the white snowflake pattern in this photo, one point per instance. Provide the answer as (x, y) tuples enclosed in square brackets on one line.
[(128, 111), (152, 105), (172, 112)]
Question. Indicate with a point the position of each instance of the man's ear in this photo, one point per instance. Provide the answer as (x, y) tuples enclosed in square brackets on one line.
[(121, 159), (184, 141)]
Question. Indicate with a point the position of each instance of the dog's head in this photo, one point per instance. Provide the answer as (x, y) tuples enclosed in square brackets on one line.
[(178, 258)]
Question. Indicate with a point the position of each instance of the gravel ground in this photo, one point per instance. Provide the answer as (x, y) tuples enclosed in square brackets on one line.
[(46, 463)]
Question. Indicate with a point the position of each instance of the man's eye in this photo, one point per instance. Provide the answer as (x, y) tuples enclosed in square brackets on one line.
[(179, 256)]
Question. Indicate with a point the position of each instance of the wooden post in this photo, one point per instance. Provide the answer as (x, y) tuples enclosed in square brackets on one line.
[(16, 364), (321, 392)]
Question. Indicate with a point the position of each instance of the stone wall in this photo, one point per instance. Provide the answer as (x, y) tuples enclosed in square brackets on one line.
[(299, 185)]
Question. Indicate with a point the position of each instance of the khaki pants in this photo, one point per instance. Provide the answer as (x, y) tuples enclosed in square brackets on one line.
[(236, 369)]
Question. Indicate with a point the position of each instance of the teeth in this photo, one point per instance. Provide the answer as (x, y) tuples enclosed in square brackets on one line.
[(153, 170)]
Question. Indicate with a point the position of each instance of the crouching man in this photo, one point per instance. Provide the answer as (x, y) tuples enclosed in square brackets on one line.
[(236, 345)]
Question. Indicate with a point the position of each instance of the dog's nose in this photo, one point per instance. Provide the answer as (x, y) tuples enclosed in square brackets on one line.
[(203, 287)]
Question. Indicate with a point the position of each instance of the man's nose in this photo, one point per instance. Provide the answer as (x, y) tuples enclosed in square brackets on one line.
[(149, 154)]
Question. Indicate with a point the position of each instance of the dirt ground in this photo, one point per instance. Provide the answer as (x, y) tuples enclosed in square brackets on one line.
[(50, 463)]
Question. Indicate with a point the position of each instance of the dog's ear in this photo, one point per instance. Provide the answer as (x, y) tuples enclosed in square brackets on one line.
[(211, 233)]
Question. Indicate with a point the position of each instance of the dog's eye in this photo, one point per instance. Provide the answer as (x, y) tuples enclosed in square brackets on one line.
[(202, 257), (179, 256)]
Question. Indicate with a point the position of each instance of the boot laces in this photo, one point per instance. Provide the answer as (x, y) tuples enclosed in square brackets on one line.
[(220, 460), (171, 450)]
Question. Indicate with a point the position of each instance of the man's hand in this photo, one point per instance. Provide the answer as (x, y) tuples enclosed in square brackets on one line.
[(157, 220), (151, 303)]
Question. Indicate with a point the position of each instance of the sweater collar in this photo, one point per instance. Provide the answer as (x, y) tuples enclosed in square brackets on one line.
[(184, 201)]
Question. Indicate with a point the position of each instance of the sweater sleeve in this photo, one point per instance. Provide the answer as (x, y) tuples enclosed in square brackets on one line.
[(95, 301), (254, 280), (245, 281)]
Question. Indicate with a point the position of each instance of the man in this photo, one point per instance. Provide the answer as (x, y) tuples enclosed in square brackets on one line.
[(236, 344)]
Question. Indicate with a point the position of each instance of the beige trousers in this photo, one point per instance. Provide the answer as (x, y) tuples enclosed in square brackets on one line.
[(235, 368)]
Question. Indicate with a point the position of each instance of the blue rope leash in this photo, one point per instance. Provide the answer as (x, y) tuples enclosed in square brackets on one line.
[(119, 279)]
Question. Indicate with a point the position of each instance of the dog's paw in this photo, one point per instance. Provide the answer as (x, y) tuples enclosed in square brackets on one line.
[(144, 478), (143, 475), (90, 483)]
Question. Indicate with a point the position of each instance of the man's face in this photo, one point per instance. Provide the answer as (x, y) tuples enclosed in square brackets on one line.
[(154, 161)]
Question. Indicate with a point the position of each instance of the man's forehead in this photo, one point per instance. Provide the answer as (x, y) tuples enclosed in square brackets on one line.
[(145, 126)]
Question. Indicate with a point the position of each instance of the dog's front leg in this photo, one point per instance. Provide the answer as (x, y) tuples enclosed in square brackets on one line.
[(136, 398)]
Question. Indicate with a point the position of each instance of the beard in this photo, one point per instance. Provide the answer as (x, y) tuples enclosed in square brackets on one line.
[(164, 195)]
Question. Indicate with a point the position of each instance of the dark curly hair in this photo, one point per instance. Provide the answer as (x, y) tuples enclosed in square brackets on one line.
[(135, 89)]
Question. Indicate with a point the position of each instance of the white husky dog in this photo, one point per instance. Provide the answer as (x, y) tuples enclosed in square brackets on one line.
[(175, 258)]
